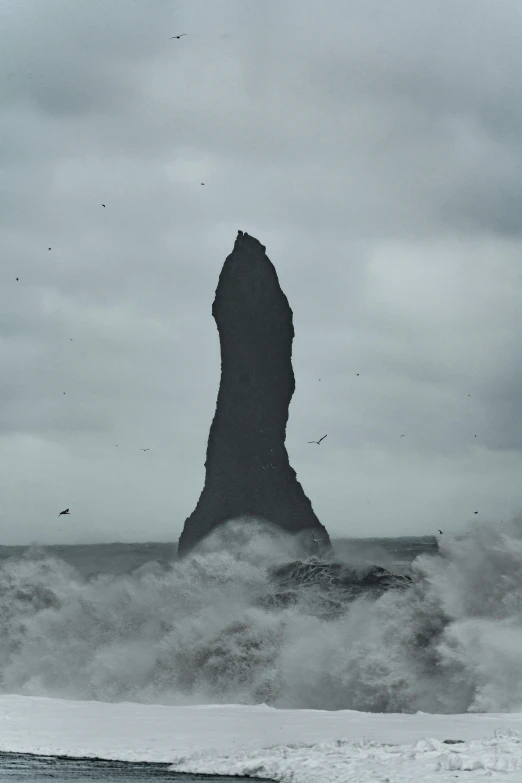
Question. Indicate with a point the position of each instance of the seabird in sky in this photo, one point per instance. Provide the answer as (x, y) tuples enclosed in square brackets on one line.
[(440, 531), (177, 36), (316, 540), (17, 279), (144, 449), (63, 512), (318, 441)]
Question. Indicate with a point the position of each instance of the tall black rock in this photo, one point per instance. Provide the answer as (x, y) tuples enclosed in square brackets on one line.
[(248, 473)]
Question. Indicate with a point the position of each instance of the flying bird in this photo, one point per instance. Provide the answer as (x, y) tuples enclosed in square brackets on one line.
[(103, 205), (177, 36), (17, 279), (144, 449), (475, 512), (357, 374), (316, 540), (49, 248), (318, 441), (440, 531), (63, 512)]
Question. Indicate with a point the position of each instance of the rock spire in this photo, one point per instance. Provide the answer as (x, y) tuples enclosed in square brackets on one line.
[(248, 473)]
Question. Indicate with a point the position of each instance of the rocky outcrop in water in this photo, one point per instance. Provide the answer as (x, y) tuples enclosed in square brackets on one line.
[(330, 586), (248, 473)]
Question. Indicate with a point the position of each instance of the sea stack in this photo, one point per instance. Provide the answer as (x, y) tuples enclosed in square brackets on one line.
[(248, 473)]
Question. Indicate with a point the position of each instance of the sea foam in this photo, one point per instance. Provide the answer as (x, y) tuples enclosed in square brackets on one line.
[(205, 630)]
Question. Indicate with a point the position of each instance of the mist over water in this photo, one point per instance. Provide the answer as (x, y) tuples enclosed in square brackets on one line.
[(207, 630)]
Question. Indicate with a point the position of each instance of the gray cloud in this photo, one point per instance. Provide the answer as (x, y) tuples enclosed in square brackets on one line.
[(374, 148)]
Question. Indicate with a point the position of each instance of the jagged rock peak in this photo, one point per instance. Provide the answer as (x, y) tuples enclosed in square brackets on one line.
[(246, 240)]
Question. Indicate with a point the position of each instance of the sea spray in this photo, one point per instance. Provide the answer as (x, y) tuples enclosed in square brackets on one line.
[(208, 630)]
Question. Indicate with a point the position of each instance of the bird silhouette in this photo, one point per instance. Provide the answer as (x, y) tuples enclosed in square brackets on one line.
[(315, 540), (103, 205), (49, 248), (17, 279), (177, 36), (144, 449), (64, 512), (202, 183), (318, 441), (475, 512), (440, 531), (357, 374)]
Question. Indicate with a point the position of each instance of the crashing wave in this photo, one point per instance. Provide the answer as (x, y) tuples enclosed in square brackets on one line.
[(256, 623)]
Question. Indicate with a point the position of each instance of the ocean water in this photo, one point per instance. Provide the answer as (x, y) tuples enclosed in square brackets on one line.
[(128, 622), (26, 768)]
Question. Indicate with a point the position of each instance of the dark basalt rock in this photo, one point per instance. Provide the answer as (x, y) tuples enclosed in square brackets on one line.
[(343, 579), (453, 742), (328, 588), (248, 473)]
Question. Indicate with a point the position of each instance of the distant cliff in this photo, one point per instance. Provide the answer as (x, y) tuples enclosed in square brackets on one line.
[(247, 467)]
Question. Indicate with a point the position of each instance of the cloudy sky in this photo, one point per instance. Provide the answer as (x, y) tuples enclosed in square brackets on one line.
[(373, 147)]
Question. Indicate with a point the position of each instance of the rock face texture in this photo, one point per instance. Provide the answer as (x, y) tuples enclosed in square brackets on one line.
[(247, 467)]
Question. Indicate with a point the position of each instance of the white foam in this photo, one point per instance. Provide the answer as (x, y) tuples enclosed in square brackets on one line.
[(294, 746), (202, 631)]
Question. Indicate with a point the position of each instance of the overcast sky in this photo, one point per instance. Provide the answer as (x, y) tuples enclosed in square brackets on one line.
[(373, 147)]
